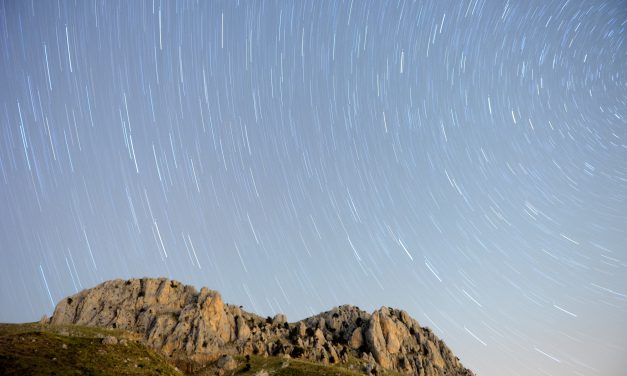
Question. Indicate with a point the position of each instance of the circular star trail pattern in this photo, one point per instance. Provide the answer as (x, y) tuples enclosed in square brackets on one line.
[(463, 160)]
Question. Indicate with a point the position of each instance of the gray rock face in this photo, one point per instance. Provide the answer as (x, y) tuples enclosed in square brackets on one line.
[(181, 322)]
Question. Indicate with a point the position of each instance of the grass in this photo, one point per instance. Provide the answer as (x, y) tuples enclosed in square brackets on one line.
[(35, 349), (277, 366)]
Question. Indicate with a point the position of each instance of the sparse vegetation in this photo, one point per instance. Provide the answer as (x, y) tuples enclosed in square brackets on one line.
[(342, 341), (34, 349)]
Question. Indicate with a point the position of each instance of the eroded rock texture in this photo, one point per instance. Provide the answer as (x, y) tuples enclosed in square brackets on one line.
[(181, 322)]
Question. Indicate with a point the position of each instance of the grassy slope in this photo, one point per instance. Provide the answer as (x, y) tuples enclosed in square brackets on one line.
[(34, 349)]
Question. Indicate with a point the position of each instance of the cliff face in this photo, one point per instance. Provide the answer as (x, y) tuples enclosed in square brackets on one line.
[(181, 322)]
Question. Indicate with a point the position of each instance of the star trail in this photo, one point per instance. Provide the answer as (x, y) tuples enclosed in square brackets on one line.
[(463, 160)]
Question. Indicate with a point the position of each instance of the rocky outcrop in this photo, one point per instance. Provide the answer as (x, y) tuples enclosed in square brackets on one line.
[(172, 317), (181, 322), (398, 342)]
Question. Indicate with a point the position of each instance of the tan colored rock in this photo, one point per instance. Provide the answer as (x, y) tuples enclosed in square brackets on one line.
[(180, 321), (357, 339), (319, 336), (397, 342), (333, 356), (302, 329), (405, 318), (243, 331), (172, 317), (376, 341), (390, 332), (434, 355), (279, 319)]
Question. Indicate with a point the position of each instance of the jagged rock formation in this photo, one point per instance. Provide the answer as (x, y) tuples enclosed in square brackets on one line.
[(181, 322)]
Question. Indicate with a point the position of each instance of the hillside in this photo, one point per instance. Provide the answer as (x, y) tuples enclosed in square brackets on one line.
[(40, 349), (198, 332), (36, 349)]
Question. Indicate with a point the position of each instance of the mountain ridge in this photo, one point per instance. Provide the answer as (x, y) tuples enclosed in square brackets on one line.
[(197, 327)]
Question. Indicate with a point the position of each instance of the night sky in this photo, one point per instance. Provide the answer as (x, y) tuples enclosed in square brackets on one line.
[(465, 161)]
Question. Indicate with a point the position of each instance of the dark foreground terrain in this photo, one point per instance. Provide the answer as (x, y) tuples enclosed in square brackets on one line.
[(161, 326), (41, 349)]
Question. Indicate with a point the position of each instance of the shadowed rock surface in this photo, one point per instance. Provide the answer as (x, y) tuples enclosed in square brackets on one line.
[(183, 323)]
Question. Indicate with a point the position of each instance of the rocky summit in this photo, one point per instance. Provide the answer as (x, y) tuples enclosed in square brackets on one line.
[(197, 326)]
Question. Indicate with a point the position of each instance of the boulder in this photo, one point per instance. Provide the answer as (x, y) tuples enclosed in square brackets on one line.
[(357, 339), (243, 331), (227, 363), (109, 340), (279, 319)]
